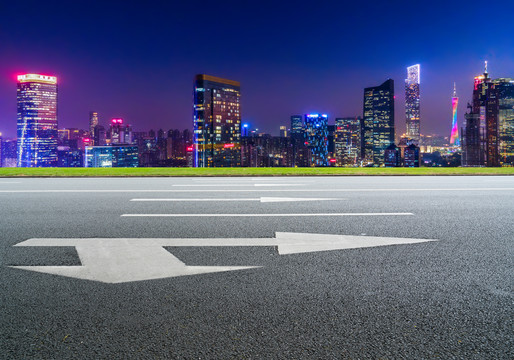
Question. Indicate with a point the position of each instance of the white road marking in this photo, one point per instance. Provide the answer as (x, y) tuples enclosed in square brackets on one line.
[(127, 260), (261, 199), (243, 190), (10, 182), (230, 185), (267, 215)]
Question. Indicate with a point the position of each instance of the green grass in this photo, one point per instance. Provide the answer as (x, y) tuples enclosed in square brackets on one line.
[(129, 172)]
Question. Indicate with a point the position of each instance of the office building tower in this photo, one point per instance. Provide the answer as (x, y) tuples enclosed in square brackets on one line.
[(480, 134), (377, 122), (505, 88), (99, 138), (93, 121), (454, 137), (37, 120), (412, 112), (283, 131), (316, 138), (111, 156), (411, 156), (119, 132), (216, 122), (296, 125), (347, 140)]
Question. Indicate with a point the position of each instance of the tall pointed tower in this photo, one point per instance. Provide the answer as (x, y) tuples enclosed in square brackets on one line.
[(454, 138)]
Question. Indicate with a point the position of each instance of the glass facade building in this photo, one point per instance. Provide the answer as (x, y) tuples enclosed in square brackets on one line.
[(347, 140), (378, 122), (216, 122), (37, 121), (412, 112), (505, 89), (111, 156), (316, 138)]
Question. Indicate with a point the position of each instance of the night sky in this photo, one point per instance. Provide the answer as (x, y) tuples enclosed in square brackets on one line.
[(137, 59)]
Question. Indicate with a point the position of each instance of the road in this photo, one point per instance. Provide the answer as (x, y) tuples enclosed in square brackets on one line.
[(280, 267)]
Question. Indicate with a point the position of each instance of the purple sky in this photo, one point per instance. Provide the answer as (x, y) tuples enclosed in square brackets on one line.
[(137, 60)]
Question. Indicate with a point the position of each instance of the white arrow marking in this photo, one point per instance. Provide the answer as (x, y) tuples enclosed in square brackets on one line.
[(267, 215), (261, 199), (126, 260)]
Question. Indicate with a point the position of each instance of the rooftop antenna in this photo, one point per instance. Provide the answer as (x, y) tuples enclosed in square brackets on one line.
[(454, 90), (485, 72)]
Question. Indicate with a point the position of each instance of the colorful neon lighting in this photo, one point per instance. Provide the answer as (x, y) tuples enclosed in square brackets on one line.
[(454, 138), (228, 146)]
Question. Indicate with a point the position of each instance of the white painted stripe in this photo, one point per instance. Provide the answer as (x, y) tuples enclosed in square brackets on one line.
[(261, 199), (10, 182), (231, 185), (267, 215), (246, 190)]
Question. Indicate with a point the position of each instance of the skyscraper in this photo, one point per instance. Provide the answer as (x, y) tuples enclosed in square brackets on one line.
[(216, 122), (296, 124), (378, 122), (316, 138), (480, 137), (505, 88), (454, 137), (93, 121), (37, 120), (412, 113), (347, 140)]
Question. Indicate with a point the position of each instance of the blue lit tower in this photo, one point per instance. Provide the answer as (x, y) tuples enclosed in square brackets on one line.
[(37, 120), (316, 138)]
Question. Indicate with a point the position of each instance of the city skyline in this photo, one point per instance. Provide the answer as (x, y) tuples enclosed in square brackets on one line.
[(125, 71)]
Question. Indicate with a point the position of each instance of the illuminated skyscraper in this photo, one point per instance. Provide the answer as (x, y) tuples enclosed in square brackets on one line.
[(37, 120), (93, 121), (505, 88), (216, 122), (378, 122), (316, 138), (347, 139), (296, 124), (454, 138), (412, 113), (480, 136)]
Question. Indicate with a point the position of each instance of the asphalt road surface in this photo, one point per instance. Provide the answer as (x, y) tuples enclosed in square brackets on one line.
[(257, 268)]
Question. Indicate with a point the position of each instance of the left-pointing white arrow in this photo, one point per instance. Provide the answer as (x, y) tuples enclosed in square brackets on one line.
[(126, 260)]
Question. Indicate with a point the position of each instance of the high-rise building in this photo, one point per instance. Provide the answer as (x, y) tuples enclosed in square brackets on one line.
[(296, 124), (37, 120), (93, 121), (411, 156), (316, 138), (347, 140), (119, 133), (454, 137), (412, 112), (378, 122), (505, 88), (283, 131), (216, 122), (480, 135)]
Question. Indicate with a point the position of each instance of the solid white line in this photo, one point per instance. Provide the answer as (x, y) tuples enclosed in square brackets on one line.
[(266, 215), (261, 199), (247, 190), (230, 185), (10, 182), (242, 199)]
